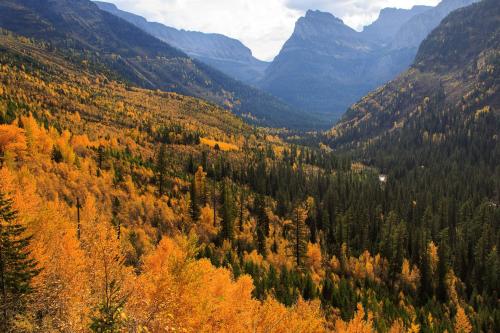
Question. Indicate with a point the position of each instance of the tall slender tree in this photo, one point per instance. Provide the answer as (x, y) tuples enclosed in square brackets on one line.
[(298, 235), (17, 268), (161, 168), (227, 212)]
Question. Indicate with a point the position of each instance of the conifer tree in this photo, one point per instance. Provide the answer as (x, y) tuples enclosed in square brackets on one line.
[(17, 269), (100, 156), (298, 235), (161, 168), (262, 228), (56, 154), (227, 212), (194, 207), (109, 317)]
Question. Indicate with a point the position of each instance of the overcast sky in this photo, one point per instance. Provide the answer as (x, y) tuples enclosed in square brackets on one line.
[(262, 25)]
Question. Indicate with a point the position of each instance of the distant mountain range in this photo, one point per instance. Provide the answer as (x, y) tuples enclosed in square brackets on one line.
[(84, 33), (226, 54), (326, 66)]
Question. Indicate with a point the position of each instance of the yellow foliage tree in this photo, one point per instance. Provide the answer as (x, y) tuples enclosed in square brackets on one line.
[(462, 323)]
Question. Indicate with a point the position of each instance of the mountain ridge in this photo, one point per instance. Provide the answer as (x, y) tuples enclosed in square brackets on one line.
[(226, 54)]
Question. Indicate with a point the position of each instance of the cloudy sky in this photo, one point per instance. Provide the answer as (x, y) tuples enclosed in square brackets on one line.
[(262, 25)]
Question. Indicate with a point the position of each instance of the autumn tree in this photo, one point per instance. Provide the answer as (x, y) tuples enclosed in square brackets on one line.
[(462, 323), (17, 268), (107, 270), (201, 188)]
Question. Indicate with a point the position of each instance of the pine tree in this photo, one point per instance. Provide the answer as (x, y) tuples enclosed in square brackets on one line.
[(100, 156), (16, 267), (262, 228), (109, 317), (161, 167), (242, 203), (100, 159), (194, 207), (227, 212), (56, 154), (298, 235)]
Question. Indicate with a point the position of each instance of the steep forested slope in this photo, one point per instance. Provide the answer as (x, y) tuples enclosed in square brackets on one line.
[(85, 33), (455, 75)]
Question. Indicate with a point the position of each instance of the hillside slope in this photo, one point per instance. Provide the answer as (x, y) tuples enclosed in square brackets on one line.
[(454, 75), (85, 33), (228, 55)]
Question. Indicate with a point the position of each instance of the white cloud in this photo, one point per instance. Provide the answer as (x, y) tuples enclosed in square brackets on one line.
[(262, 25)]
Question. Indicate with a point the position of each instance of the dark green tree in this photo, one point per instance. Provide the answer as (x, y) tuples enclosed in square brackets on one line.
[(262, 228), (56, 154), (194, 207), (161, 167), (298, 235), (227, 212), (109, 313), (17, 268)]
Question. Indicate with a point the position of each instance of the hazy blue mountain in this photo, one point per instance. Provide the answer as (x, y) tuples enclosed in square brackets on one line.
[(226, 54), (390, 21), (415, 30), (326, 66)]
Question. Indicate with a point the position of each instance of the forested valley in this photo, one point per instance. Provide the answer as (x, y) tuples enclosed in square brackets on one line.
[(124, 209)]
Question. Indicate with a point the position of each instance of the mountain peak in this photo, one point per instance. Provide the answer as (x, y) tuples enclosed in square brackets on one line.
[(322, 25), (107, 5), (318, 15)]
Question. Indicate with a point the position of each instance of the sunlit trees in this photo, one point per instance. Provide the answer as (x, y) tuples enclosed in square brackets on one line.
[(12, 143), (106, 268), (359, 324), (462, 324)]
